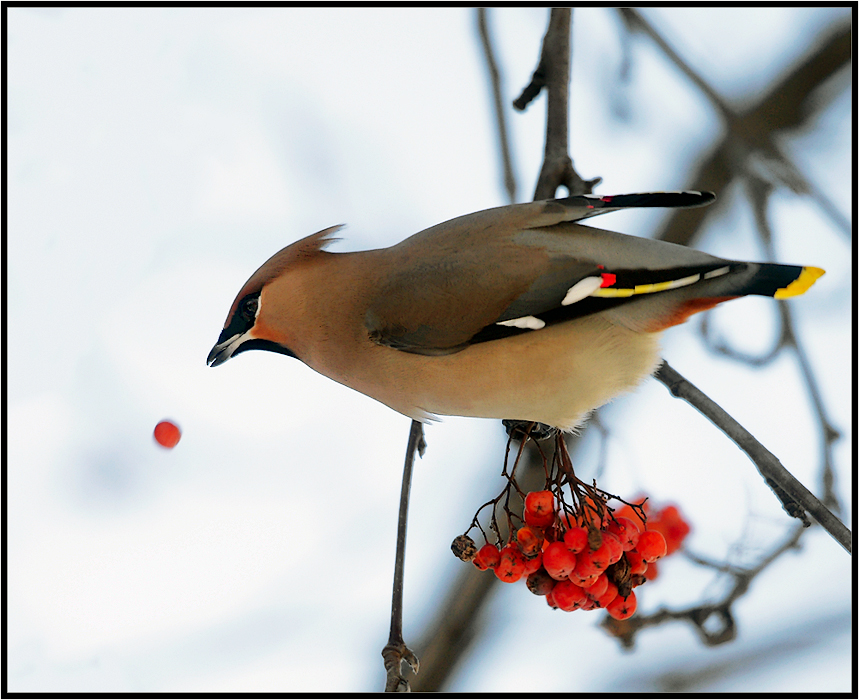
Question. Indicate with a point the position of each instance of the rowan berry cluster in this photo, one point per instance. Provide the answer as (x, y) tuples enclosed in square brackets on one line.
[(583, 560)]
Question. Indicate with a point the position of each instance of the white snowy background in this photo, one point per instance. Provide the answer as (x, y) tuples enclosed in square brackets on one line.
[(157, 156)]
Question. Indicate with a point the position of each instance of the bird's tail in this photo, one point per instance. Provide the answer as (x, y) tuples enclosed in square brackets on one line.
[(780, 281)]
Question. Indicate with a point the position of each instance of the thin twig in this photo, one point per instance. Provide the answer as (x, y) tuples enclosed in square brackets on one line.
[(498, 102), (759, 192), (396, 651), (794, 496)]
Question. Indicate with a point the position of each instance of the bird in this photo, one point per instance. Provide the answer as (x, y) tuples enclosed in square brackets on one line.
[(515, 312)]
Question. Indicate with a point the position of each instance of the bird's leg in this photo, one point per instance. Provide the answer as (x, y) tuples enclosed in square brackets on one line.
[(396, 651), (517, 429)]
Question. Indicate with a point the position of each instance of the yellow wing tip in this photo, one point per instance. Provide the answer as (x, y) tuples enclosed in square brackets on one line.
[(801, 284)]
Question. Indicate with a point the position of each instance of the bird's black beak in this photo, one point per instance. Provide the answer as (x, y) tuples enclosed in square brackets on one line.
[(230, 344), (224, 349)]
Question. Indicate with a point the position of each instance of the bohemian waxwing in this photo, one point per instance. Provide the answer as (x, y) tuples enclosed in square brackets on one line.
[(512, 312)]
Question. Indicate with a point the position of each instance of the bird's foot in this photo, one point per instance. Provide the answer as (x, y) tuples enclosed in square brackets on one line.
[(517, 429), (394, 654)]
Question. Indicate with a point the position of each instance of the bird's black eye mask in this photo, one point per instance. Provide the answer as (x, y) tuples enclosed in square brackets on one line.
[(244, 317), (249, 307), (242, 321)]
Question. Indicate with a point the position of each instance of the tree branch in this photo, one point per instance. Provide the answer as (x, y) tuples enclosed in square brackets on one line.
[(396, 651), (794, 496), (553, 73)]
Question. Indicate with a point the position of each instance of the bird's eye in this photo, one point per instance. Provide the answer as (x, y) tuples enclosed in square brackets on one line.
[(248, 309)]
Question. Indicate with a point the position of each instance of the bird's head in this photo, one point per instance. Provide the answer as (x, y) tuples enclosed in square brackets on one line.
[(256, 318)]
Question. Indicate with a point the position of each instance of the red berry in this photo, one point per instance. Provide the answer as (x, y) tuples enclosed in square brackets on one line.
[(576, 539), (637, 565), (671, 524), (540, 502), (651, 545), (583, 581), (600, 557), (511, 566), (550, 599), (534, 563), (609, 595), (487, 557), (615, 548), (167, 434), (622, 608), (529, 541), (652, 572), (626, 531), (568, 596), (585, 566), (558, 560), (598, 587), (540, 583), (538, 520)]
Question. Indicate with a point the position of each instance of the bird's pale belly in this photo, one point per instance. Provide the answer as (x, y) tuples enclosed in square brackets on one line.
[(546, 375)]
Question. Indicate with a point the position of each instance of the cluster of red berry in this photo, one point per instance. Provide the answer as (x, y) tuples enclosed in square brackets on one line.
[(581, 563)]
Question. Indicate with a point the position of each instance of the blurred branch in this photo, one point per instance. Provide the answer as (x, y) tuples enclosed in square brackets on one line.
[(794, 496), (784, 106), (498, 102)]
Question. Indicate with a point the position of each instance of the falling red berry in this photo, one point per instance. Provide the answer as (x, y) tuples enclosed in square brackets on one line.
[(167, 434)]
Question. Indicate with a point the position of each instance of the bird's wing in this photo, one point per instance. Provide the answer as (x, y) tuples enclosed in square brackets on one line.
[(520, 268)]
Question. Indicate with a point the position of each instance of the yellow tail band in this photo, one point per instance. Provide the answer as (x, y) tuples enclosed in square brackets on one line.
[(800, 285)]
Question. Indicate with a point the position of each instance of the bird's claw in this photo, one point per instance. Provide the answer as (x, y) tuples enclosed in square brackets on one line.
[(394, 654), (538, 431)]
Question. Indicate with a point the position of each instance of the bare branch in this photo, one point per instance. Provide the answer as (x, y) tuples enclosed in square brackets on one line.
[(498, 101), (396, 651), (553, 73), (793, 495)]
